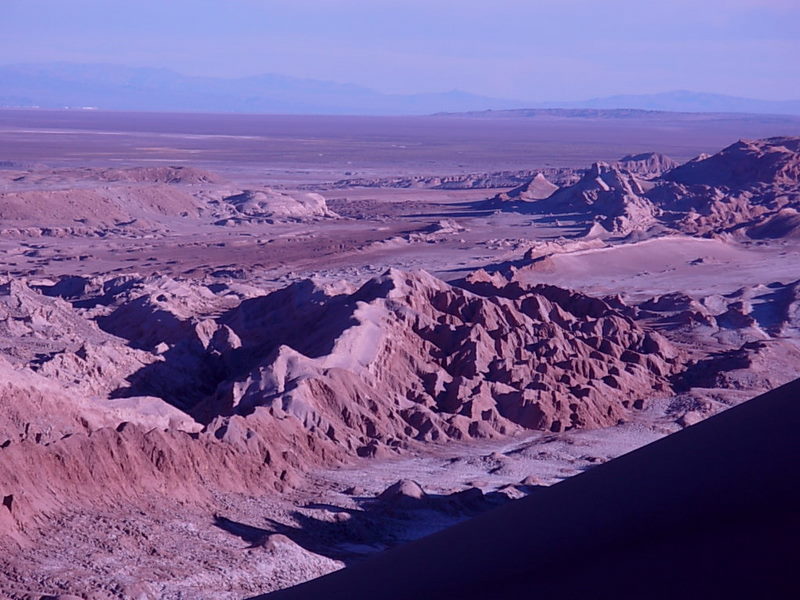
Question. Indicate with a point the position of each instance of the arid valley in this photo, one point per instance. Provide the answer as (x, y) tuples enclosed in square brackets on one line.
[(240, 352)]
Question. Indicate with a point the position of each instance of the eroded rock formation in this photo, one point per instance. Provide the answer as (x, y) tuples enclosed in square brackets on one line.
[(750, 187)]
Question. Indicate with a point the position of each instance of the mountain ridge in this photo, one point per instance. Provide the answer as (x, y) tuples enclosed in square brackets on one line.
[(117, 87), (63, 85)]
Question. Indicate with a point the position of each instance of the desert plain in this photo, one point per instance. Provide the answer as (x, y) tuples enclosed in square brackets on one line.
[(242, 352)]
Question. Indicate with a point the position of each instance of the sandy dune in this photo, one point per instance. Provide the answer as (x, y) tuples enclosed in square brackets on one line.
[(706, 511)]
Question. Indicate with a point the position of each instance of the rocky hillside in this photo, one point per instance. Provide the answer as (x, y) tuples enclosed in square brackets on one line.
[(136, 201), (750, 188), (302, 376)]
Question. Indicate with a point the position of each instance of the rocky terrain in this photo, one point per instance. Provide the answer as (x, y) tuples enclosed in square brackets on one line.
[(404, 358), (749, 188), (499, 179), (239, 395), (709, 506), (215, 384), (138, 201)]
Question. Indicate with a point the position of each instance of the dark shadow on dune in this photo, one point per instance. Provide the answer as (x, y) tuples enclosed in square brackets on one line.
[(154, 326), (772, 312), (188, 373), (452, 215), (707, 512), (298, 317), (704, 373), (185, 377), (355, 534), (331, 507), (254, 536)]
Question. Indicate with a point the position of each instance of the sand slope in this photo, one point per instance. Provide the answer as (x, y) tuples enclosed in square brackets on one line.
[(707, 512)]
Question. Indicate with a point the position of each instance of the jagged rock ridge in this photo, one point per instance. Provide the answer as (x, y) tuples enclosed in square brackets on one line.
[(296, 378), (407, 356), (751, 187)]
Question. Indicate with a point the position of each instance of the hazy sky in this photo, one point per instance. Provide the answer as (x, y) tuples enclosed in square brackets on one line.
[(526, 49)]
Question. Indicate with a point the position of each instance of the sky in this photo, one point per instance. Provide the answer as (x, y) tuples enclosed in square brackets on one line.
[(518, 49)]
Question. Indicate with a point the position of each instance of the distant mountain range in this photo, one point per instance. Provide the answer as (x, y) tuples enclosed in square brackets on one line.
[(685, 101), (124, 88), (113, 87)]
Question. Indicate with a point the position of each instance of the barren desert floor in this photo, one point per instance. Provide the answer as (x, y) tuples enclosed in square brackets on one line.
[(238, 353)]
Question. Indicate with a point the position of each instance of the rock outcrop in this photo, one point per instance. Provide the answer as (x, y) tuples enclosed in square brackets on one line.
[(134, 201), (465, 181), (612, 197), (181, 174), (537, 188), (647, 165), (408, 357), (292, 379), (745, 164), (750, 187), (784, 224), (253, 205)]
